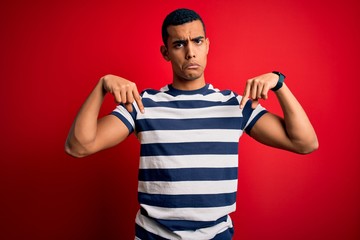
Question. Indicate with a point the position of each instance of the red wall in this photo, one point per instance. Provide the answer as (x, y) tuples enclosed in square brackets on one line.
[(53, 53)]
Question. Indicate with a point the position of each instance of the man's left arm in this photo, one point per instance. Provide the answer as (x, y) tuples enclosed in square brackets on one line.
[(294, 132)]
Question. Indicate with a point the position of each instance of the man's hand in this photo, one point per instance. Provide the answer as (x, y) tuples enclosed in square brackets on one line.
[(124, 91), (258, 88)]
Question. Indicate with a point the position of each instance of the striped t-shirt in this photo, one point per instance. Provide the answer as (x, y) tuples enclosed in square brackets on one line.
[(188, 161)]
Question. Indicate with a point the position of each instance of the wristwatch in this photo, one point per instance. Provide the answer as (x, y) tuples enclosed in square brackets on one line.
[(279, 84)]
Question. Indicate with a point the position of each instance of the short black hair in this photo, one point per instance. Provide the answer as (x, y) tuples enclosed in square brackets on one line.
[(178, 17)]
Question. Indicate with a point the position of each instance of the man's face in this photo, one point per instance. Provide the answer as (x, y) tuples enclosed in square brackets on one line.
[(187, 50)]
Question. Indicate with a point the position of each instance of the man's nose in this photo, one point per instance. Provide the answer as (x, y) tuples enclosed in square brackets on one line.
[(190, 53)]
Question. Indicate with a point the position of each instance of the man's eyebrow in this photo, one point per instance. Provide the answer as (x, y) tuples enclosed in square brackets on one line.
[(184, 41), (197, 38), (179, 41)]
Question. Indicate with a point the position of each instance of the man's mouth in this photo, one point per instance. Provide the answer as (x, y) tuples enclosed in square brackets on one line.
[(192, 66)]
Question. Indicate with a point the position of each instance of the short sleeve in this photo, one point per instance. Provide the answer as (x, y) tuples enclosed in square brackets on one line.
[(251, 116), (125, 116)]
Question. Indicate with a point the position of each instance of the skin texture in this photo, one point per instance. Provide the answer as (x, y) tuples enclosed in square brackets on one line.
[(187, 50)]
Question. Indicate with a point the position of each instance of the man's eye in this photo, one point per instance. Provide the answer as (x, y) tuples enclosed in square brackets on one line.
[(179, 45), (198, 41)]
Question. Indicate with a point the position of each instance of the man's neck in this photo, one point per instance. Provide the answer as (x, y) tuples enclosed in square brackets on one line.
[(188, 85)]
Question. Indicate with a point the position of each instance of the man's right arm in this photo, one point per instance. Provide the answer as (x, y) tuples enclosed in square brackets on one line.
[(88, 134)]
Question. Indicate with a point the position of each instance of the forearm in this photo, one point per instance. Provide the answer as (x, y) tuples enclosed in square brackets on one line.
[(84, 128), (297, 124)]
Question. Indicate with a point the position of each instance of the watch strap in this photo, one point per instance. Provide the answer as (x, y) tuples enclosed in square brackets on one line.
[(280, 82)]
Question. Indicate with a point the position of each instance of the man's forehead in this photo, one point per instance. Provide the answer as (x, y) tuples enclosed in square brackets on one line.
[(191, 29)]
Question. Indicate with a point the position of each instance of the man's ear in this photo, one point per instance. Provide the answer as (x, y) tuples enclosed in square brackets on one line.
[(207, 45), (164, 53)]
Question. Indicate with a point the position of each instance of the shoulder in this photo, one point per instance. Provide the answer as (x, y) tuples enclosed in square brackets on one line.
[(152, 91), (223, 95), (149, 91), (225, 92)]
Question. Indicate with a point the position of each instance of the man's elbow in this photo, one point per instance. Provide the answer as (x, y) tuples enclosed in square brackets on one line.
[(76, 152), (309, 147)]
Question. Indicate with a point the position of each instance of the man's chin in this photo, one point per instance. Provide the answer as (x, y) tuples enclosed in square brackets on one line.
[(192, 77)]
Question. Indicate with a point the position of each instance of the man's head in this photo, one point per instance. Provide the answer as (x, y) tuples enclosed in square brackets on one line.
[(185, 45), (179, 17)]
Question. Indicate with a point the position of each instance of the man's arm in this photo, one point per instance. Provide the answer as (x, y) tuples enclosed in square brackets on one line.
[(88, 134), (294, 132)]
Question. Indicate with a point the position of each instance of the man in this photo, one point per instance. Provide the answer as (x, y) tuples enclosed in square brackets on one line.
[(189, 133)]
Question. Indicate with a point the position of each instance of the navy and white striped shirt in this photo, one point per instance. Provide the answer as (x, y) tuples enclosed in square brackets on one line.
[(188, 161)]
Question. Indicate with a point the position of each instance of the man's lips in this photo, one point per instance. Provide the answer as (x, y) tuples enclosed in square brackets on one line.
[(191, 66)]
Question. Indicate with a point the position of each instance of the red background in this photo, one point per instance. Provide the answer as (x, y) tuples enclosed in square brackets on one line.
[(54, 52)]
